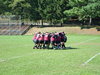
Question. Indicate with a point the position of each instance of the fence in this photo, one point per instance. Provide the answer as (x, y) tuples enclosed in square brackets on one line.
[(10, 24)]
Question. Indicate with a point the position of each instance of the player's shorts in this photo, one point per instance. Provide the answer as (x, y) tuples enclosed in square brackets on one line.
[(36, 41), (65, 40), (57, 42), (46, 42), (62, 40), (53, 42), (41, 41)]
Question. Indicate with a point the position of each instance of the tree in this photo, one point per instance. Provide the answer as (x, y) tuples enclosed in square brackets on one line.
[(20, 7), (2, 7), (63, 5), (41, 9), (84, 9), (52, 10), (34, 13), (91, 10)]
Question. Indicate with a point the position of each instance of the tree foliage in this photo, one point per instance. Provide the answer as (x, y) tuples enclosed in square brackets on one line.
[(55, 11), (84, 9), (20, 7)]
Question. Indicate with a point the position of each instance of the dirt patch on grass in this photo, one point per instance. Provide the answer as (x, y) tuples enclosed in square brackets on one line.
[(75, 30)]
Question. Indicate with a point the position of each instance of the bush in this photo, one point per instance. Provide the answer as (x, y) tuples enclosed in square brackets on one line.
[(98, 28), (86, 27)]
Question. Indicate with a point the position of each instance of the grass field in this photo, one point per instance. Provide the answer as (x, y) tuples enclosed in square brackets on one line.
[(18, 58)]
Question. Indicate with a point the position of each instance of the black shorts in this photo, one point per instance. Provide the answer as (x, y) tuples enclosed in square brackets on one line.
[(53, 42), (46, 42), (65, 40), (57, 42), (36, 41), (41, 41), (62, 40)]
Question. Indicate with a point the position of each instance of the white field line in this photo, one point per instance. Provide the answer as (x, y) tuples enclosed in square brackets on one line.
[(15, 57), (90, 59), (2, 60)]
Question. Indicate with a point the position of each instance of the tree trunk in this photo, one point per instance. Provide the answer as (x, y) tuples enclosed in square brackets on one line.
[(61, 22), (90, 21), (51, 22), (42, 22), (84, 22)]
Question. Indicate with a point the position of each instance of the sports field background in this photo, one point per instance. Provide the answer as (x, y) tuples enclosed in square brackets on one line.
[(18, 58)]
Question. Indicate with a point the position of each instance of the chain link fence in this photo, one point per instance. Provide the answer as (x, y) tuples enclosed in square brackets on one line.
[(10, 25)]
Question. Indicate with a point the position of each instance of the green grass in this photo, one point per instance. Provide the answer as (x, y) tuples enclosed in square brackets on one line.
[(21, 59)]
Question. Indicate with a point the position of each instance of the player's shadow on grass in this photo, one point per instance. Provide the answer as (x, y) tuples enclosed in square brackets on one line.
[(70, 48), (67, 48)]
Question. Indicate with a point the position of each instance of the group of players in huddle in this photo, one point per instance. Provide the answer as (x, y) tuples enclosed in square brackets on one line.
[(46, 40)]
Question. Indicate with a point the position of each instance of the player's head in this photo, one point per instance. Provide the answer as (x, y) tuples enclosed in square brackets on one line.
[(39, 32)]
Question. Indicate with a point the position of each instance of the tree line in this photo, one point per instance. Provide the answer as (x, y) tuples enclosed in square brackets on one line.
[(53, 11)]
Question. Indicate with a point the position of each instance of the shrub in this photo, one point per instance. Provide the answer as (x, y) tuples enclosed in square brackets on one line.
[(98, 28)]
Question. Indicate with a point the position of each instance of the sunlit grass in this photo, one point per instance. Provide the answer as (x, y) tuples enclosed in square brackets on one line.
[(21, 59)]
